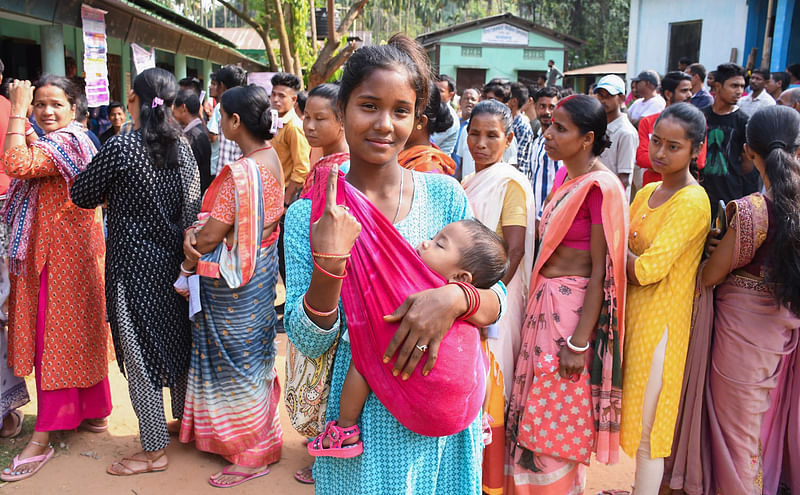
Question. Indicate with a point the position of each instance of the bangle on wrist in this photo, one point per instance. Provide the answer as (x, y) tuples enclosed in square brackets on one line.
[(473, 299), (327, 256), (576, 349), (322, 314), (10, 133), (329, 274), (18, 117), (184, 270)]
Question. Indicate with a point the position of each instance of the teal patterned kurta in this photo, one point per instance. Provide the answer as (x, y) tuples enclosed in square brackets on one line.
[(395, 460)]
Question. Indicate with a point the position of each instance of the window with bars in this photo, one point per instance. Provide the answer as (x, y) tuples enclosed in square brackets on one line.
[(533, 54), (471, 51)]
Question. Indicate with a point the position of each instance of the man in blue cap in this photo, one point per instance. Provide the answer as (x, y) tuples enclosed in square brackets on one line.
[(621, 156)]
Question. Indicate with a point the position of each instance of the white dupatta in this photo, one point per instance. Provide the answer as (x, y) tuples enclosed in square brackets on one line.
[(486, 190)]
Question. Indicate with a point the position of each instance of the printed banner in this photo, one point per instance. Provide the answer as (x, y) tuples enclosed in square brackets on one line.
[(142, 59), (263, 79), (95, 55)]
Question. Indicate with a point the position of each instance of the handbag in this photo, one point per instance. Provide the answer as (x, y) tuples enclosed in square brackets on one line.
[(558, 420), (308, 386)]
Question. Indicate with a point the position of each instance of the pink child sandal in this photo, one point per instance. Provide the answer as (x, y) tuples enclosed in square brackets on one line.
[(336, 435)]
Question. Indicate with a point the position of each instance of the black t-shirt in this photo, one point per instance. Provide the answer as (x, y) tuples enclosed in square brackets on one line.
[(722, 175), (201, 147)]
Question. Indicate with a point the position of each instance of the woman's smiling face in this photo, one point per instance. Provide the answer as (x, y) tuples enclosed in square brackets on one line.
[(379, 116), (52, 108)]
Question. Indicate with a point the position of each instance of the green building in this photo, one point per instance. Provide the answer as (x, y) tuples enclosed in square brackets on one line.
[(503, 45), (45, 36)]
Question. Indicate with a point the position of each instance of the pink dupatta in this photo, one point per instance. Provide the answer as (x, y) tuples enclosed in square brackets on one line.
[(383, 270)]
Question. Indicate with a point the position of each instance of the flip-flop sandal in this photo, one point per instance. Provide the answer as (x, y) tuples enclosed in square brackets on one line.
[(245, 477), (41, 459), (302, 478), (20, 416), (94, 428), (149, 469), (336, 435)]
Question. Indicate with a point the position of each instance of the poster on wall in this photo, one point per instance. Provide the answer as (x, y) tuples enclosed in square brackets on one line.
[(143, 59), (95, 58), (263, 79)]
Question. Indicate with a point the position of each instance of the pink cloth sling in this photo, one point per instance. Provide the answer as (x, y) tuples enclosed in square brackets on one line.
[(383, 270)]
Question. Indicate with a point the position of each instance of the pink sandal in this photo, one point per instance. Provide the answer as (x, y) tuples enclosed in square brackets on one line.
[(336, 435)]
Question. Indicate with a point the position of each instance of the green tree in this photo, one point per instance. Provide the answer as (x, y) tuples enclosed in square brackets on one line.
[(287, 21)]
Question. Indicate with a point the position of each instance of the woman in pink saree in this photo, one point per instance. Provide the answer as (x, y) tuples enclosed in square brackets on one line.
[(740, 411), (566, 396)]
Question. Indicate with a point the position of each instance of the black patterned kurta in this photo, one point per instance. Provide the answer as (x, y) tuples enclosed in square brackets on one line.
[(148, 209)]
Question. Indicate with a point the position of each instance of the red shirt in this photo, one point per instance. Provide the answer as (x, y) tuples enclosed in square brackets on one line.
[(646, 125)]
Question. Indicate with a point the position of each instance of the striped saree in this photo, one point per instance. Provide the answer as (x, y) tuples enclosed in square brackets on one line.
[(233, 393)]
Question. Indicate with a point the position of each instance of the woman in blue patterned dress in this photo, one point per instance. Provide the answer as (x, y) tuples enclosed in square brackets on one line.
[(383, 92)]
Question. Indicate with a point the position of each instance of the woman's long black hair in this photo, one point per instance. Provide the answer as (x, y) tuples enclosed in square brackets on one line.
[(161, 133), (774, 134)]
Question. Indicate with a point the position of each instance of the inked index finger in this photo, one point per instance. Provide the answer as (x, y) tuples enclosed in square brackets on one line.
[(330, 188)]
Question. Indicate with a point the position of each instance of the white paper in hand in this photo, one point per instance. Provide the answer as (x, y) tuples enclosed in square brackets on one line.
[(194, 296)]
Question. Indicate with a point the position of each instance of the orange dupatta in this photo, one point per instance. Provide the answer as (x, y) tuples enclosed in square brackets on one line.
[(423, 158)]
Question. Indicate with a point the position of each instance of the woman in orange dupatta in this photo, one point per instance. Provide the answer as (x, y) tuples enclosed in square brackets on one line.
[(420, 153), (565, 402), (322, 125)]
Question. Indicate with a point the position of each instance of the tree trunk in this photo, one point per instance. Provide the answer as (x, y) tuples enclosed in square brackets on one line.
[(279, 22), (329, 60), (313, 10)]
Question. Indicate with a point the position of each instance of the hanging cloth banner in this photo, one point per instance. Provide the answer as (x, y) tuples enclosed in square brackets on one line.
[(95, 58), (143, 59)]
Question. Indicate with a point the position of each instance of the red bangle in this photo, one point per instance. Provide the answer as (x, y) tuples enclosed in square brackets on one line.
[(18, 117), (322, 314), (473, 299), (326, 272), (9, 133)]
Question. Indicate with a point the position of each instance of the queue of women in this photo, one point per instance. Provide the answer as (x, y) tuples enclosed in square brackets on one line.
[(604, 331)]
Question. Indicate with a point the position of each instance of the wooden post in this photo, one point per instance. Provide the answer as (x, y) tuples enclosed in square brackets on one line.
[(769, 28)]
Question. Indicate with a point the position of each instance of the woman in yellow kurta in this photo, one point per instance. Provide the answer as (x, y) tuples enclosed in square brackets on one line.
[(669, 224)]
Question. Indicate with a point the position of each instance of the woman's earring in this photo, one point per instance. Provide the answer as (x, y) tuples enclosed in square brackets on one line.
[(584, 146), (419, 127)]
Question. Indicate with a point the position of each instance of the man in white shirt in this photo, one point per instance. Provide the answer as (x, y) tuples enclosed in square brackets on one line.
[(620, 157), (553, 74), (758, 97), (651, 102), (541, 169), (446, 140)]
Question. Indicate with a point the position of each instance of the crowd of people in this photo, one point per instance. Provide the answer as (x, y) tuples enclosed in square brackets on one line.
[(484, 289)]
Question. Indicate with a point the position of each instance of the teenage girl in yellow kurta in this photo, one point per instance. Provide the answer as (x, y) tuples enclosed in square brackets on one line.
[(669, 224)]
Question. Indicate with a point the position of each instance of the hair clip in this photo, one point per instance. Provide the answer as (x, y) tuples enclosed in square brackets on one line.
[(156, 102), (277, 122)]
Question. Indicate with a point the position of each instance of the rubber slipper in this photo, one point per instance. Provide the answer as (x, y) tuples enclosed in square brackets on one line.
[(149, 469), (41, 459), (245, 477), (300, 476), (20, 416)]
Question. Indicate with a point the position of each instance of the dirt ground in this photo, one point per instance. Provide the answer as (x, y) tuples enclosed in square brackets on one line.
[(81, 458)]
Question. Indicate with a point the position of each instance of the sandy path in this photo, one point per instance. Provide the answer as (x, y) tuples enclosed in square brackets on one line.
[(81, 459)]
